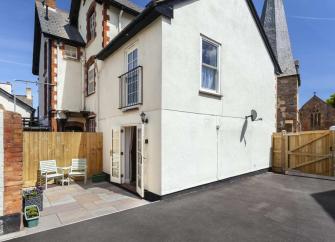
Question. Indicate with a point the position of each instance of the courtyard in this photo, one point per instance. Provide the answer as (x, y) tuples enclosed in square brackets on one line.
[(265, 207), (64, 205)]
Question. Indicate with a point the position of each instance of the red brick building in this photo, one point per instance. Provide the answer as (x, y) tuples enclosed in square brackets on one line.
[(316, 114)]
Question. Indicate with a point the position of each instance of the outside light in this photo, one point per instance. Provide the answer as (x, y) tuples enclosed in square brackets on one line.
[(144, 118)]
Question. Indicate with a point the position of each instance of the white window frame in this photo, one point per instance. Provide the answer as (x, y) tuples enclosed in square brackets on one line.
[(70, 52), (128, 50), (92, 23), (216, 92), (91, 68)]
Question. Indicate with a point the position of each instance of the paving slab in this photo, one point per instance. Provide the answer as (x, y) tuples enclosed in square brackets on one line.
[(77, 202)]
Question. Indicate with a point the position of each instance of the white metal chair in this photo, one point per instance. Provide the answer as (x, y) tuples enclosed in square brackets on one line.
[(79, 169), (49, 170)]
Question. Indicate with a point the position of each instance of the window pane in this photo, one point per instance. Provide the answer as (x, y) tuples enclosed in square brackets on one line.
[(209, 54), (209, 78)]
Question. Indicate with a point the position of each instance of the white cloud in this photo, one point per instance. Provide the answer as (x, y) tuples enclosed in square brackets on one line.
[(14, 62), (313, 18)]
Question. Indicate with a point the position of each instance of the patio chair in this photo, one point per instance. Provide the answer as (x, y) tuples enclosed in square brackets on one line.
[(79, 169), (49, 170)]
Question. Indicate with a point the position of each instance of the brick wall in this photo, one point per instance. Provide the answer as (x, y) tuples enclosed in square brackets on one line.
[(13, 148), (287, 103), (2, 184), (313, 106), (105, 26), (11, 180)]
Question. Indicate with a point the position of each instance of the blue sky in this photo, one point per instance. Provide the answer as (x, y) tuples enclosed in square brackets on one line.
[(311, 25)]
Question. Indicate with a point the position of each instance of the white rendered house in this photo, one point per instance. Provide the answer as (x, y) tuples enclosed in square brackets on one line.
[(170, 87)]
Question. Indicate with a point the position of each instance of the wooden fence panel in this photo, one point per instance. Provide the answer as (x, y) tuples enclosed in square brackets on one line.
[(307, 152), (62, 147)]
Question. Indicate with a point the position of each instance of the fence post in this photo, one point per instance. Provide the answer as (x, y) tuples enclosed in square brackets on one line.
[(283, 151), (332, 150)]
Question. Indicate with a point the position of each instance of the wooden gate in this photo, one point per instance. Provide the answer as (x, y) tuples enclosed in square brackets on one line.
[(307, 152)]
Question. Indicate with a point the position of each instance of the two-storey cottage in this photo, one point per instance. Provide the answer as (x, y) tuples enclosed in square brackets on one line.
[(170, 86)]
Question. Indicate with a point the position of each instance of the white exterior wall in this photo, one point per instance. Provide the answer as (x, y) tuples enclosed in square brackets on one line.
[(69, 82), (8, 105), (2, 180), (110, 117), (193, 151)]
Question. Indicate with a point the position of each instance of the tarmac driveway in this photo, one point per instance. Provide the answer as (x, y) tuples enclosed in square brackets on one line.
[(266, 207)]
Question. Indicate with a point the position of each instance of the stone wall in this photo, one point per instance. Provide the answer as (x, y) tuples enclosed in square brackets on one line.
[(287, 103), (11, 148), (313, 106)]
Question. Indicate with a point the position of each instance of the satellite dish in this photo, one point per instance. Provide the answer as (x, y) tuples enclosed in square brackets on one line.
[(253, 115)]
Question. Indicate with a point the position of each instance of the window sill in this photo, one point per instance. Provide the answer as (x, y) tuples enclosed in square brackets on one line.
[(88, 95), (137, 106), (71, 59), (210, 93)]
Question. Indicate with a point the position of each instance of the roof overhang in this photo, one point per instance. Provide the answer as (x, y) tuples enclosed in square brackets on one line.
[(164, 8), (37, 42)]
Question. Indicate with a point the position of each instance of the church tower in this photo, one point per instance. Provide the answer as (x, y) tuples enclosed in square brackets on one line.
[(275, 26)]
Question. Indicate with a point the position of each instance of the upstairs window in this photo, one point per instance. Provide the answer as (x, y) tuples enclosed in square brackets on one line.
[(210, 74), (91, 80), (91, 23), (70, 52)]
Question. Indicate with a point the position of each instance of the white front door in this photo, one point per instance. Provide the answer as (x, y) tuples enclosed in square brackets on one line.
[(115, 156), (139, 161)]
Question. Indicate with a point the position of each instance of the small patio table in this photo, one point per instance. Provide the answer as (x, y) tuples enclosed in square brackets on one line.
[(66, 178)]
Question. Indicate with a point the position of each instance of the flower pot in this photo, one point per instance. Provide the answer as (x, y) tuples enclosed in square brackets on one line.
[(31, 216), (33, 197)]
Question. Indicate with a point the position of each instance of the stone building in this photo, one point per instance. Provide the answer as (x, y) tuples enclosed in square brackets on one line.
[(316, 114), (275, 25)]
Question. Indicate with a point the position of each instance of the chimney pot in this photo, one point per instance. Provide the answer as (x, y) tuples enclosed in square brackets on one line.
[(51, 3), (29, 93)]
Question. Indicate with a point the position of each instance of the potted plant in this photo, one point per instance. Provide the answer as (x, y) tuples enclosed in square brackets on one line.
[(31, 216), (33, 197)]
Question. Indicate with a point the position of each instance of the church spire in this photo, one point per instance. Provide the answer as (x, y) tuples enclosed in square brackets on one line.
[(275, 25)]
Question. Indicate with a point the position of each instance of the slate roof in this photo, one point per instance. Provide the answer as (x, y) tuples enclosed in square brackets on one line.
[(275, 25), (57, 24)]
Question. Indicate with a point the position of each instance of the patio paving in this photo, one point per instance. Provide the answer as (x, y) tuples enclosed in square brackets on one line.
[(266, 207), (78, 202)]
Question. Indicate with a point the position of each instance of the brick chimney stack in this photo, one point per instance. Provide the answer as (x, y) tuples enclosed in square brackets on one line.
[(51, 3)]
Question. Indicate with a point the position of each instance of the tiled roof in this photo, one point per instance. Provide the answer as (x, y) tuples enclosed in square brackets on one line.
[(275, 25), (57, 24)]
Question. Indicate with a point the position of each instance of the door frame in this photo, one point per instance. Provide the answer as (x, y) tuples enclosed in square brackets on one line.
[(139, 190)]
